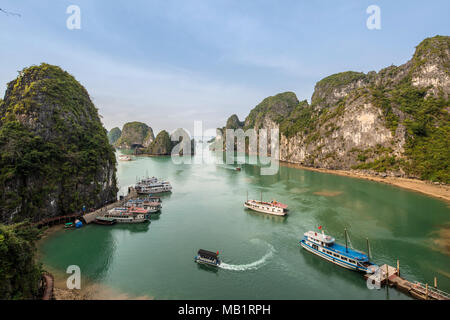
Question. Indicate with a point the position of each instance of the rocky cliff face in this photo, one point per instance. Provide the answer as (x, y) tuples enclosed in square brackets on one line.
[(114, 135), (135, 135), (394, 122), (55, 155)]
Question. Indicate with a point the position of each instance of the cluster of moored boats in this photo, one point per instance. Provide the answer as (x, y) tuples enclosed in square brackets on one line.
[(138, 210)]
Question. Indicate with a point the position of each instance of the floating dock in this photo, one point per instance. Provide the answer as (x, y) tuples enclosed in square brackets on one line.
[(391, 276)]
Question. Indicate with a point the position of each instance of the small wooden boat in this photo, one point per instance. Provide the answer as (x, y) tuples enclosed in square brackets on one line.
[(105, 221), (207, 257), (69, 225), (238, 169)]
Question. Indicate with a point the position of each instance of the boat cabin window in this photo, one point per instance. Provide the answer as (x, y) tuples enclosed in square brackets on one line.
[(351, 261), (336, 255), (344, 258)]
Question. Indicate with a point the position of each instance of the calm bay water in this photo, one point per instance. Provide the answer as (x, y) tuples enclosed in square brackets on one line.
[(261, 254)]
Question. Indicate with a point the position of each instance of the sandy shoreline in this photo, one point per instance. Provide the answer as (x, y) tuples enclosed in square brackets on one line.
[(441, 192)]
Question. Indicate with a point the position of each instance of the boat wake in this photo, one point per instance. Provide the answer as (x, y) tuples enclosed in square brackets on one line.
[(250, 266)]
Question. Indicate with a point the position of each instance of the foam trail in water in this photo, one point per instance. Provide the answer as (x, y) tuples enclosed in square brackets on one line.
[(250, 266)]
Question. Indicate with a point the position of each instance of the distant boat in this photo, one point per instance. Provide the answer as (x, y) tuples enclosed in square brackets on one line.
[(274, 207), (207, 257), (238, 169), (124, 157), (325, 247)]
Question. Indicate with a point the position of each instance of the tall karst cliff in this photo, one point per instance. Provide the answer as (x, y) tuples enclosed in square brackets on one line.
[(54, 152), (394, 122)]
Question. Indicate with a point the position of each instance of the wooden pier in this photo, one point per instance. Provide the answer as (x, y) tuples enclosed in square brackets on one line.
[(390, 276), (87, 218)]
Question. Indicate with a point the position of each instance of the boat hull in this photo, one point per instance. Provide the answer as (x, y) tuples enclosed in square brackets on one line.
[(332, 259), (282, 214)]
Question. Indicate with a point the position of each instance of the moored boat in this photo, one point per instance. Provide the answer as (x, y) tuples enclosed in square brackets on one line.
[(128, 215), (152, 185), (207, 257), (105, 221), (151, 204), (326, 247)]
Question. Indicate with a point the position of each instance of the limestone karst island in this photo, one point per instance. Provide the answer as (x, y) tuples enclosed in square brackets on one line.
[(209, 151)]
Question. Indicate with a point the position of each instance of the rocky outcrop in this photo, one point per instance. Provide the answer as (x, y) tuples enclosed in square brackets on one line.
[(162, 145), (276, 108), (234, 123), (135, 135), (165, 143), (114, 135), (394, 122), (55, 155)]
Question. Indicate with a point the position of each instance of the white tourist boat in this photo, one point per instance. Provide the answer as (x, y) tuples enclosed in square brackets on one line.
[(152, 185), (325, 247), (273, 207), (128, 215)]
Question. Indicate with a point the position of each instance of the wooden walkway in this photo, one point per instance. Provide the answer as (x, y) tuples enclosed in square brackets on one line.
[(88, 217), (57, 220), (390, 276), (48, 283)]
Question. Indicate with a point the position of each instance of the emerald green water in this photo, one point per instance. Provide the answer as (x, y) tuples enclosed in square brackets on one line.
[(262, 256)]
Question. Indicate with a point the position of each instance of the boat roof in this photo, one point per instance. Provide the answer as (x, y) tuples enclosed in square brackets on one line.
[(352, 253), (207, 253), (279, 204), (320, 237)]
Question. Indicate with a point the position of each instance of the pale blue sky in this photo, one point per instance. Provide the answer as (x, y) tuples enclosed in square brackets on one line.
[(168, 63)]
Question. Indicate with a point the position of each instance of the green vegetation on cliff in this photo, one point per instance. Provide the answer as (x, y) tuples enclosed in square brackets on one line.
[(135, 134), (54, 152), (114, 135), (19, 272), (162, 145), (276, 108)]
